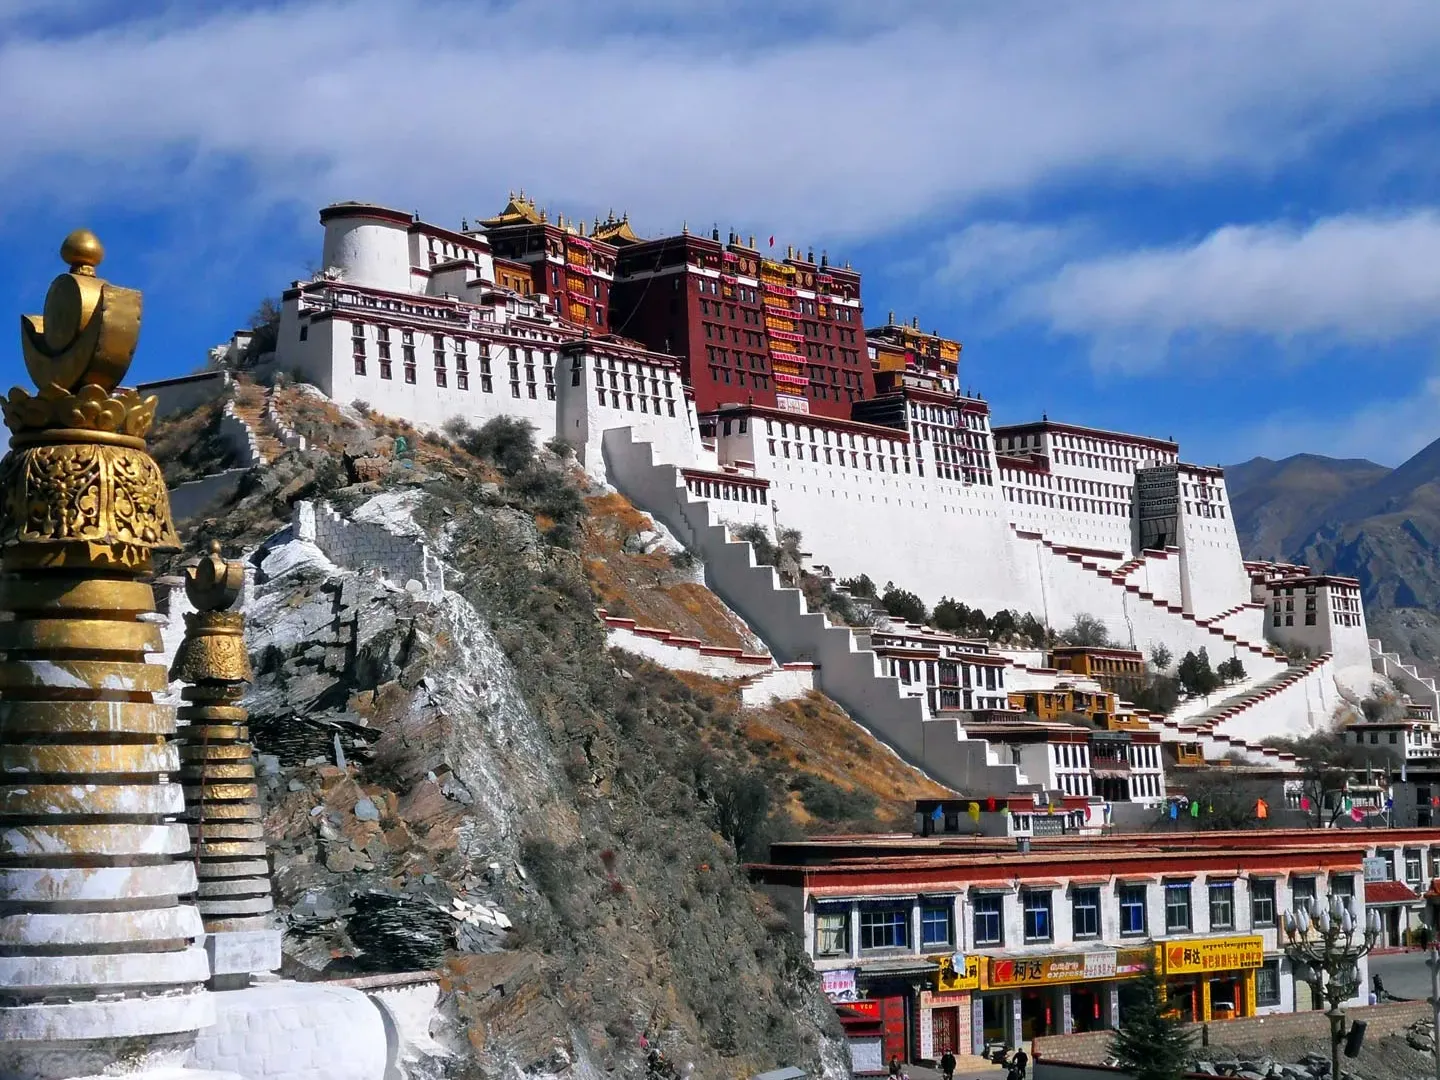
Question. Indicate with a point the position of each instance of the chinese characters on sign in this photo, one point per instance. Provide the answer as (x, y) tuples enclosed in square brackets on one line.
[(1214, 954)]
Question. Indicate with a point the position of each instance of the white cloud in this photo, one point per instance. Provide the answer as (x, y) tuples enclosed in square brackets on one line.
[(1351, 279), (828, 120), (990, 258)]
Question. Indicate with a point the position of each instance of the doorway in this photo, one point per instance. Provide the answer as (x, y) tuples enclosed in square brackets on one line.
[(1086, 1008), (1037, 1015), (945, 1025)]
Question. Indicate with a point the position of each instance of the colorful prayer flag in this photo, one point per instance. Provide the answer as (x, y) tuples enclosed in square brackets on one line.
[(1304, 802), (1356, 814), (1194, 809), (974, 811), (1262, 809), (1174, 811)]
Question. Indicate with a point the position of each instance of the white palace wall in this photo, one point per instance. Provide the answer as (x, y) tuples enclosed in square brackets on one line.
[(933, 536)]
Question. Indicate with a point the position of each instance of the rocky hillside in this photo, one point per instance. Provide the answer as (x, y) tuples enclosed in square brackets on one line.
[(1356, 518), (471, 780)]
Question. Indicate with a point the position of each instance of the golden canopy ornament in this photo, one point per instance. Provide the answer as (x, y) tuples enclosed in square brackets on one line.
[(78, 472), (214, 645)]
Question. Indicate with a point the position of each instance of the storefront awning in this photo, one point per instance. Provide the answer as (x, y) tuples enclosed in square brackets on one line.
[(1389, 892), (896, 968)]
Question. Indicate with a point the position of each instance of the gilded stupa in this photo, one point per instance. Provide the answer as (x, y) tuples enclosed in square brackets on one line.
[(101, 959)]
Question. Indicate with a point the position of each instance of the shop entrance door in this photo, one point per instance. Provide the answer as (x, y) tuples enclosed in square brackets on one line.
[(1036, 1014), (1180, 1001), (996, 1010), (1392, 928), (1086, 1008), (1226, 998), (946, 1027), (892, 1018)]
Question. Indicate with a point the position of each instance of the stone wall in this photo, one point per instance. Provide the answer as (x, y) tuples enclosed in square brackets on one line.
[(681, 653), (236, 431), (192, 498), (186, 392), (361, 545)]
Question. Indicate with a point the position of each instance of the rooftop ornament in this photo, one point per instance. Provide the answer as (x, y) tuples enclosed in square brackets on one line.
[(100, 960)]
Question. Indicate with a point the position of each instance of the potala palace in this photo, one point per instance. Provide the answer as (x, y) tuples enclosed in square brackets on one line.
[(718, 387)]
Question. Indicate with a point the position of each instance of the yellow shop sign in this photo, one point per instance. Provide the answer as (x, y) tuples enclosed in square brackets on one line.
[(1213, 954), (1005, 971), (957, 972)]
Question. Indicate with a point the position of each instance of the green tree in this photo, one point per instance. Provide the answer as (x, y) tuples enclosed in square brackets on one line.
[(264, 331), (1327, 762), (903, 604), (1086, 630), (1231, 671), (1161, 656), (860, 586), (1148, 1044), (1196, 675)]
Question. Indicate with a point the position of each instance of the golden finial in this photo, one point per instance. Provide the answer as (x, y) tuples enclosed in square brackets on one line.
[(214, 584), (82, 252), (88, 332)]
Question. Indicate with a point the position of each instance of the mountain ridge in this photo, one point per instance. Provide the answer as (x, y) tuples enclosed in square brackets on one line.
[(1353, 517)]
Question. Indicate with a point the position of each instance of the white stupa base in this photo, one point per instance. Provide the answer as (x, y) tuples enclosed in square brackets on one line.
[(296, 1031)]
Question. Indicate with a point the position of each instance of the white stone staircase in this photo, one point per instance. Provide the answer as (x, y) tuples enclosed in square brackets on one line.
[(779, 615), (1406, 677), (1142, 619)]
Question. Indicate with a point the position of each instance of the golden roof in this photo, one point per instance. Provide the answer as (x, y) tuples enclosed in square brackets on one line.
[(518, 211), (617, 231)]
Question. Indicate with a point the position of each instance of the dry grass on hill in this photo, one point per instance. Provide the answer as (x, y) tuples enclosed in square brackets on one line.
[(815, 738), (651, 589)]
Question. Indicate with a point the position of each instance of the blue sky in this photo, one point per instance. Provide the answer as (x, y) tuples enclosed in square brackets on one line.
[(1218, 221)]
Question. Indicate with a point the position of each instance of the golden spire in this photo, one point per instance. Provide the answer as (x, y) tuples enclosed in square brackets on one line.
[(88, 798), (217, 762)]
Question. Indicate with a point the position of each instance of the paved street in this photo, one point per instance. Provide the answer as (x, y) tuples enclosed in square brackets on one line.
[(1404, 974)]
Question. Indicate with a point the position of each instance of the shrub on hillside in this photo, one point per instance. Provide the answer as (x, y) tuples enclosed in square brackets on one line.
[(903, 604), (831, 803), (505, 440), (1086, 630)]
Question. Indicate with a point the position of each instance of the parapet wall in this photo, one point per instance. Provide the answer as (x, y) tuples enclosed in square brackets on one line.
[(365, 545)]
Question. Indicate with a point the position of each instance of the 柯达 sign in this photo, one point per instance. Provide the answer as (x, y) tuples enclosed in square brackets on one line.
[(1213, 954)]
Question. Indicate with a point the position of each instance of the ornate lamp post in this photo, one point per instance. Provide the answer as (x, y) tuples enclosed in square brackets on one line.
[(1327, 944)]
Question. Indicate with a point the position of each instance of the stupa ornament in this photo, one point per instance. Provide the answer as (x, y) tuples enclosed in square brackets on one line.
[(78, 471), (103, 961)]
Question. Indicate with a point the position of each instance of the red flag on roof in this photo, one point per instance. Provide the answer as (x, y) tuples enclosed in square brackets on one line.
[(772, 241)]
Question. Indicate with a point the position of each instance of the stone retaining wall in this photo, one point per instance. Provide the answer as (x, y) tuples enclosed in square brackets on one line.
[(361, 545)]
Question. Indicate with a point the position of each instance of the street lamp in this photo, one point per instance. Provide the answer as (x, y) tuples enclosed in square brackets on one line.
[(1327, 943)]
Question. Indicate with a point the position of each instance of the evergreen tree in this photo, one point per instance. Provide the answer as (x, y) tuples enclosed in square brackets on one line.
[(1148, 1045)]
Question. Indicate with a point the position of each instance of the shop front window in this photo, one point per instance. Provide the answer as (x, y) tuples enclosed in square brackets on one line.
[(1267, 983), (832, 933), (935, 925), (988, 923), (1177, 907), (1132, 909), (1222, 906), (885, 928), (1037, 914)]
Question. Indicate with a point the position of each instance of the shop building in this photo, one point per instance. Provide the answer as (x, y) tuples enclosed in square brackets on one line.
[(965, 943)]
